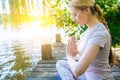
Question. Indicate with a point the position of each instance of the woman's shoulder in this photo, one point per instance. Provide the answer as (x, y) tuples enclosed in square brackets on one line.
[(101, 29)]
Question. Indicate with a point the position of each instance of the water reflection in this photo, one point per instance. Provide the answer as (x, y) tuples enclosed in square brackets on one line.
[(18, 58), (21, 61)]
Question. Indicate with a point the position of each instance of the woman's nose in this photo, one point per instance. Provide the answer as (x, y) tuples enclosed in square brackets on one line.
[(73, 19)]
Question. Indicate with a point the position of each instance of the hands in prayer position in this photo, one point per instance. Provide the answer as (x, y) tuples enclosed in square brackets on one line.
[(72, 48)]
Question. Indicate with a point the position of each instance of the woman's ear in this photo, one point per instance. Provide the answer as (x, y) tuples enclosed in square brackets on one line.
[(87, 10)]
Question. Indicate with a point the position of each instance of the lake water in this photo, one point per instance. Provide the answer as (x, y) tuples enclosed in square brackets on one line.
[(21, 50), (18, 55)]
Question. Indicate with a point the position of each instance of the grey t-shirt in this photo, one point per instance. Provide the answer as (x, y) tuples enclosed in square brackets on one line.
[(99, 68)]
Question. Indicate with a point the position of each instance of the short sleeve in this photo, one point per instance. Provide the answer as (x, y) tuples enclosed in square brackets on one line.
[(98, 38)]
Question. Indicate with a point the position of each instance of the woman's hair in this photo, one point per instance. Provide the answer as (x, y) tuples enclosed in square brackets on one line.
[(111, 58), (96, 10)]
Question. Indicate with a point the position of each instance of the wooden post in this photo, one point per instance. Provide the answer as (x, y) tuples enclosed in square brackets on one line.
[(46, 51), (58, 38)]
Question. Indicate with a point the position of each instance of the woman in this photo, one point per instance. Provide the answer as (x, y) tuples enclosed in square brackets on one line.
[(96, 57)]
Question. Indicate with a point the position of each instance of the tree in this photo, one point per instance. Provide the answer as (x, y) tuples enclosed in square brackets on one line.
[(112, 18), (4, 14), (14, 13), (20, 12), (111, 9)]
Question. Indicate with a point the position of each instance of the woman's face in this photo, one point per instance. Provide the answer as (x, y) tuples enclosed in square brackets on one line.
[(78, 16)]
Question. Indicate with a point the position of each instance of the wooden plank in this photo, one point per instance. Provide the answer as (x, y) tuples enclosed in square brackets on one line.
[(47, 68)]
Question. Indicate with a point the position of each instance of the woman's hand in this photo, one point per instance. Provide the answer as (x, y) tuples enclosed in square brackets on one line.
[(72, 49)]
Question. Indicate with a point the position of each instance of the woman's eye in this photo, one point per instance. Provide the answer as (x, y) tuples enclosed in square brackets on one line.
[(73, 15)]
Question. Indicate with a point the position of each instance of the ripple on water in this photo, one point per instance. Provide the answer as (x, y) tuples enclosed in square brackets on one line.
[(18, 57)]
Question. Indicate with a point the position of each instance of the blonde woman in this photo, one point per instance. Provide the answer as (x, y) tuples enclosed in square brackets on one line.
[(96, 58)]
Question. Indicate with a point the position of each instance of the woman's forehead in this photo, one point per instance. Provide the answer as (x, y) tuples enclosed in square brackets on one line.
[(72, 9)]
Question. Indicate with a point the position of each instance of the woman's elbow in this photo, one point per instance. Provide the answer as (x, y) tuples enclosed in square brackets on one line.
[(78, 72)]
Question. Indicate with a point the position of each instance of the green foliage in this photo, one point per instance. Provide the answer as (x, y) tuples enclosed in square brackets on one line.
[(14, 13), (4, 19), (112, 18), (0, 19), (111, 11), (77, 31), (18, 13), (58, 13), (106, 4)]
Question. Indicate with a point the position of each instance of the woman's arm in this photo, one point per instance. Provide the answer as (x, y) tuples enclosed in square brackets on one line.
[(72, 63), (86, 59)]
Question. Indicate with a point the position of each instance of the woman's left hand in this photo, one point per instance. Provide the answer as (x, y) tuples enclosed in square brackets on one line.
[(72, 49)]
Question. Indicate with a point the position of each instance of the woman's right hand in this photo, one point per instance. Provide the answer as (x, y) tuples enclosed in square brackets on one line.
[(72, 49)]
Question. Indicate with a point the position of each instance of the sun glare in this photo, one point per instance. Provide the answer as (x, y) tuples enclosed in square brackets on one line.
[(33, 19), (34, 31)]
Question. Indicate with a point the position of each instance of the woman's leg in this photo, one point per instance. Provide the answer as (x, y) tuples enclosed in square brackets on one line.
[(64, 70), (57, 76)]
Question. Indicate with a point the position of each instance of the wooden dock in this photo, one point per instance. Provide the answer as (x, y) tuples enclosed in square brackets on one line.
[(46, 69)]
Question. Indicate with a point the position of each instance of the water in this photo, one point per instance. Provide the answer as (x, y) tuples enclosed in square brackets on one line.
[(18, 55)]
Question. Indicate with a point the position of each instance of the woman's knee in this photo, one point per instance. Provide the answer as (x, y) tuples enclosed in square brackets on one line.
[(61, 63)]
